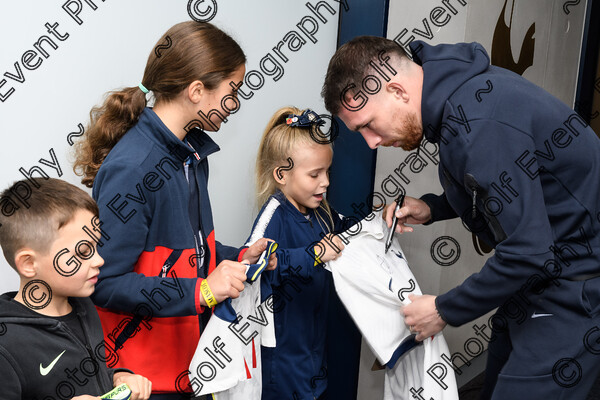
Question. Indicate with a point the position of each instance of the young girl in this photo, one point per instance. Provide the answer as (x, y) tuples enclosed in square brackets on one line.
[(292, 178), (148, 169)]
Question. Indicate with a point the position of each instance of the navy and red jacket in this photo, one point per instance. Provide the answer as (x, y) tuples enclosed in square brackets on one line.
[(519, 167), (148, 293)]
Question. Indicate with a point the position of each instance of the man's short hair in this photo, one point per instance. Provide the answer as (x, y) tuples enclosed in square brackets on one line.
[(350, 65), (32, 213)]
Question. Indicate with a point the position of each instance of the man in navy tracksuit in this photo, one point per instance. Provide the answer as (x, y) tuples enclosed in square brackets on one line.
[(521, 169)]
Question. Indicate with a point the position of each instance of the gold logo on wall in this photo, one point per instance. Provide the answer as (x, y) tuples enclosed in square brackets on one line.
[(502, 54)]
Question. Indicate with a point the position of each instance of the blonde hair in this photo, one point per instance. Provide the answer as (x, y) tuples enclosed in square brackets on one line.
[(276, 146)]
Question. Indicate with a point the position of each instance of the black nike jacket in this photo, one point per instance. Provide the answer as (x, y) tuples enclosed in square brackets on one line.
[(42, 359)]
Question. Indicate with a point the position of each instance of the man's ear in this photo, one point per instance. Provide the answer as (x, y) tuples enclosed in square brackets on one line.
[(25, 261), (398, 90), (195, 91)]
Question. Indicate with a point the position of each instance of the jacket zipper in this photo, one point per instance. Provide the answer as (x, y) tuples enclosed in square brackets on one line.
[(473, 186), (196, 234), (89, 350), (170, 262), (493, 224)]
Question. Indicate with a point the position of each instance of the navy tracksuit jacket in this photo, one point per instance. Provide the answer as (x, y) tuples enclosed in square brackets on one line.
[(522, 170)]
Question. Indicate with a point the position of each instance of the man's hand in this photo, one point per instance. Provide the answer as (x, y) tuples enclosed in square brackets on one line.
[(422, 317), (141, 387), (86, 397), (413, 211), (253, 253), (227, 280), (329, 248)]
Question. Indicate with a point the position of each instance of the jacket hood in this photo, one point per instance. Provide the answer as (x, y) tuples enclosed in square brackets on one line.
[(13, 312), (446, 67)]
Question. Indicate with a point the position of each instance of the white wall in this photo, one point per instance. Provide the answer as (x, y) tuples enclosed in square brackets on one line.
[(109, 50)]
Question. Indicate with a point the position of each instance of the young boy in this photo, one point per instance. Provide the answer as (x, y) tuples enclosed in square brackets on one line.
[(51, 342)]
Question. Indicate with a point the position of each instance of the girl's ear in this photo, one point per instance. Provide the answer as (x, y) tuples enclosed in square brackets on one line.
[(25, 263), (280, 175), (195, 91)]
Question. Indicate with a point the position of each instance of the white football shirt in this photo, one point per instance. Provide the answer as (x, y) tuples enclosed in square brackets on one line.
[(373, 287)]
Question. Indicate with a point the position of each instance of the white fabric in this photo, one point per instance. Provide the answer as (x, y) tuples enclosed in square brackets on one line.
[(232, 382), (371, 283)]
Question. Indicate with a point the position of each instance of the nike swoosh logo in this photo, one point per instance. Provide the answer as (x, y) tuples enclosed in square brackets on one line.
[(534, 315), (46, 371)]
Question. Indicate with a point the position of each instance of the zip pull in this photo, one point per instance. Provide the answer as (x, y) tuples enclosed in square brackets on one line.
[(164, 270), (471, 184), (474, 210)]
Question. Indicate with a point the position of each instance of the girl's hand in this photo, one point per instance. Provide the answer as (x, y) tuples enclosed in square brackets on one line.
[(253, 253), (329, 248), (227, 280), (413, 211), (141, 387)]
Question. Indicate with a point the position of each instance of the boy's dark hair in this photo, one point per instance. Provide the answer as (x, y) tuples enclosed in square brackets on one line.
[(33, 221), (350, 65)]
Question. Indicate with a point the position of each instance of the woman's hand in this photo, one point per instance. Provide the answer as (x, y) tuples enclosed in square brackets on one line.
[(141, 387), (227, 280)]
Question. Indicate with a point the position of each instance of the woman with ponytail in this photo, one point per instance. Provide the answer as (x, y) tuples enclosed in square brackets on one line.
[(148, 168)]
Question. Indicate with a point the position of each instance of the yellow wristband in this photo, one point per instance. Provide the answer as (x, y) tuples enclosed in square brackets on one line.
[(317, 259), (207, 294)]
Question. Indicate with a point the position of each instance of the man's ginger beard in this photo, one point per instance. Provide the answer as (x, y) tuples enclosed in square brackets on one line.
[(409, 134)]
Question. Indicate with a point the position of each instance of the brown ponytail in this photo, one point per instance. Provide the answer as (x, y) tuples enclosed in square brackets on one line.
[(198, 51)]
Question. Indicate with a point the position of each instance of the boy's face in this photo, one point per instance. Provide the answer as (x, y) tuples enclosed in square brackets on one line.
[(72, 264)]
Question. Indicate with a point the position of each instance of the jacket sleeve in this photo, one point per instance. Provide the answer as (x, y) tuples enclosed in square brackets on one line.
[(489, 152), (127, 223), (113, 371), (439, 207), (232, 253), (11, 384)]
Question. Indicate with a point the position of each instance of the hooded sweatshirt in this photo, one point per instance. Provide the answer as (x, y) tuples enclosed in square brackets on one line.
[(42, 358), (519, 167)]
